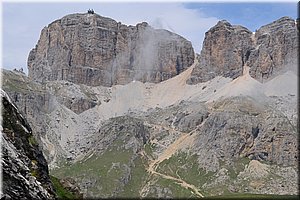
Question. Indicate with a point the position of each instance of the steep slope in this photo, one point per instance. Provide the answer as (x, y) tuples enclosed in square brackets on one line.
[(283, 85), (228, 134), (273, 48), (193, 149), (25, 170), (283, 90), (112, 167), (244, 85), (94, 50), (221, 54)]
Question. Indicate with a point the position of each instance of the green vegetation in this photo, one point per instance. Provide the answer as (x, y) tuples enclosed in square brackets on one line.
[(236, 167), (186, 167), (34, 173), (107, 170), (33, 170), (176, 190), (253, 196), (137, 179), (108, 175), (32, 140), (61, 192), (149, 150)]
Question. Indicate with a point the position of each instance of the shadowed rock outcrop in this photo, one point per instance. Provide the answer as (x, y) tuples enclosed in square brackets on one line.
[(243, 127), (25, 170)]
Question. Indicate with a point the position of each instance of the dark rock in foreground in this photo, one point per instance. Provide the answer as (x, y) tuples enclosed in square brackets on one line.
[(25, 170)]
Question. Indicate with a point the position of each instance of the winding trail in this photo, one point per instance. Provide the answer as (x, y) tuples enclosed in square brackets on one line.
[(183, 141)]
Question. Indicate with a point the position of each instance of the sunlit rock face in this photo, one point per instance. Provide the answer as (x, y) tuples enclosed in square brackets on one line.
[(228, 48), (276, 49), (233, 132), (94, 50)]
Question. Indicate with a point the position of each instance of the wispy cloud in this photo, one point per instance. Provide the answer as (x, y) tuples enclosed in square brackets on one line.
[(175, 17)]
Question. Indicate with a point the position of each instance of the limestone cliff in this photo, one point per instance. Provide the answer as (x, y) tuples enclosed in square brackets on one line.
[(223, 53), (94, 50), (167, 139), (228, 48), (275, 50)]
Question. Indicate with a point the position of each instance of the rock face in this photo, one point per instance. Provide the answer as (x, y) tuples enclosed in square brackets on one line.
[(245, 128), (110, 170), (94, 50), (32, 100), (164, 140), (224, 143), (25, 170), (227, 48), (276, 49), (223, 53)]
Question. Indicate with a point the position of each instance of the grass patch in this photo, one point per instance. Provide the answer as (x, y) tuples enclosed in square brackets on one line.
[(103, 174), (61, 192), (137, 179), (186, 167), (253, 196), (233, 169), (149, 150), (34, 173), (177, 191), (32, 141)]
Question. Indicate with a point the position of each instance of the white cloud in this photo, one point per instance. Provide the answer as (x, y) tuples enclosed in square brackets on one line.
[(188, 23)]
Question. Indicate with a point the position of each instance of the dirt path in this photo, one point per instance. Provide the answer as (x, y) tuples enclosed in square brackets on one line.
[(180, 182), (183, 141), (169, 151)]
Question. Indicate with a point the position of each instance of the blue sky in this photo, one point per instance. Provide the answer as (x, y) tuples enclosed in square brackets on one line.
[(251, 15), (22, 22)]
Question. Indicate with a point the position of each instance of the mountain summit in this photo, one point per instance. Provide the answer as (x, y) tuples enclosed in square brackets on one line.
[(94, 50), (227, 48), (130, 112)]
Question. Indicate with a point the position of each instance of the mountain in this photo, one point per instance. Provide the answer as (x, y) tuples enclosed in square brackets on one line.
[(227, 48), (94, 50), (212, 128)]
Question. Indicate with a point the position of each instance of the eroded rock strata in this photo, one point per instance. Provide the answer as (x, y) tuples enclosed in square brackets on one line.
[(228, 48), (94, 50)]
